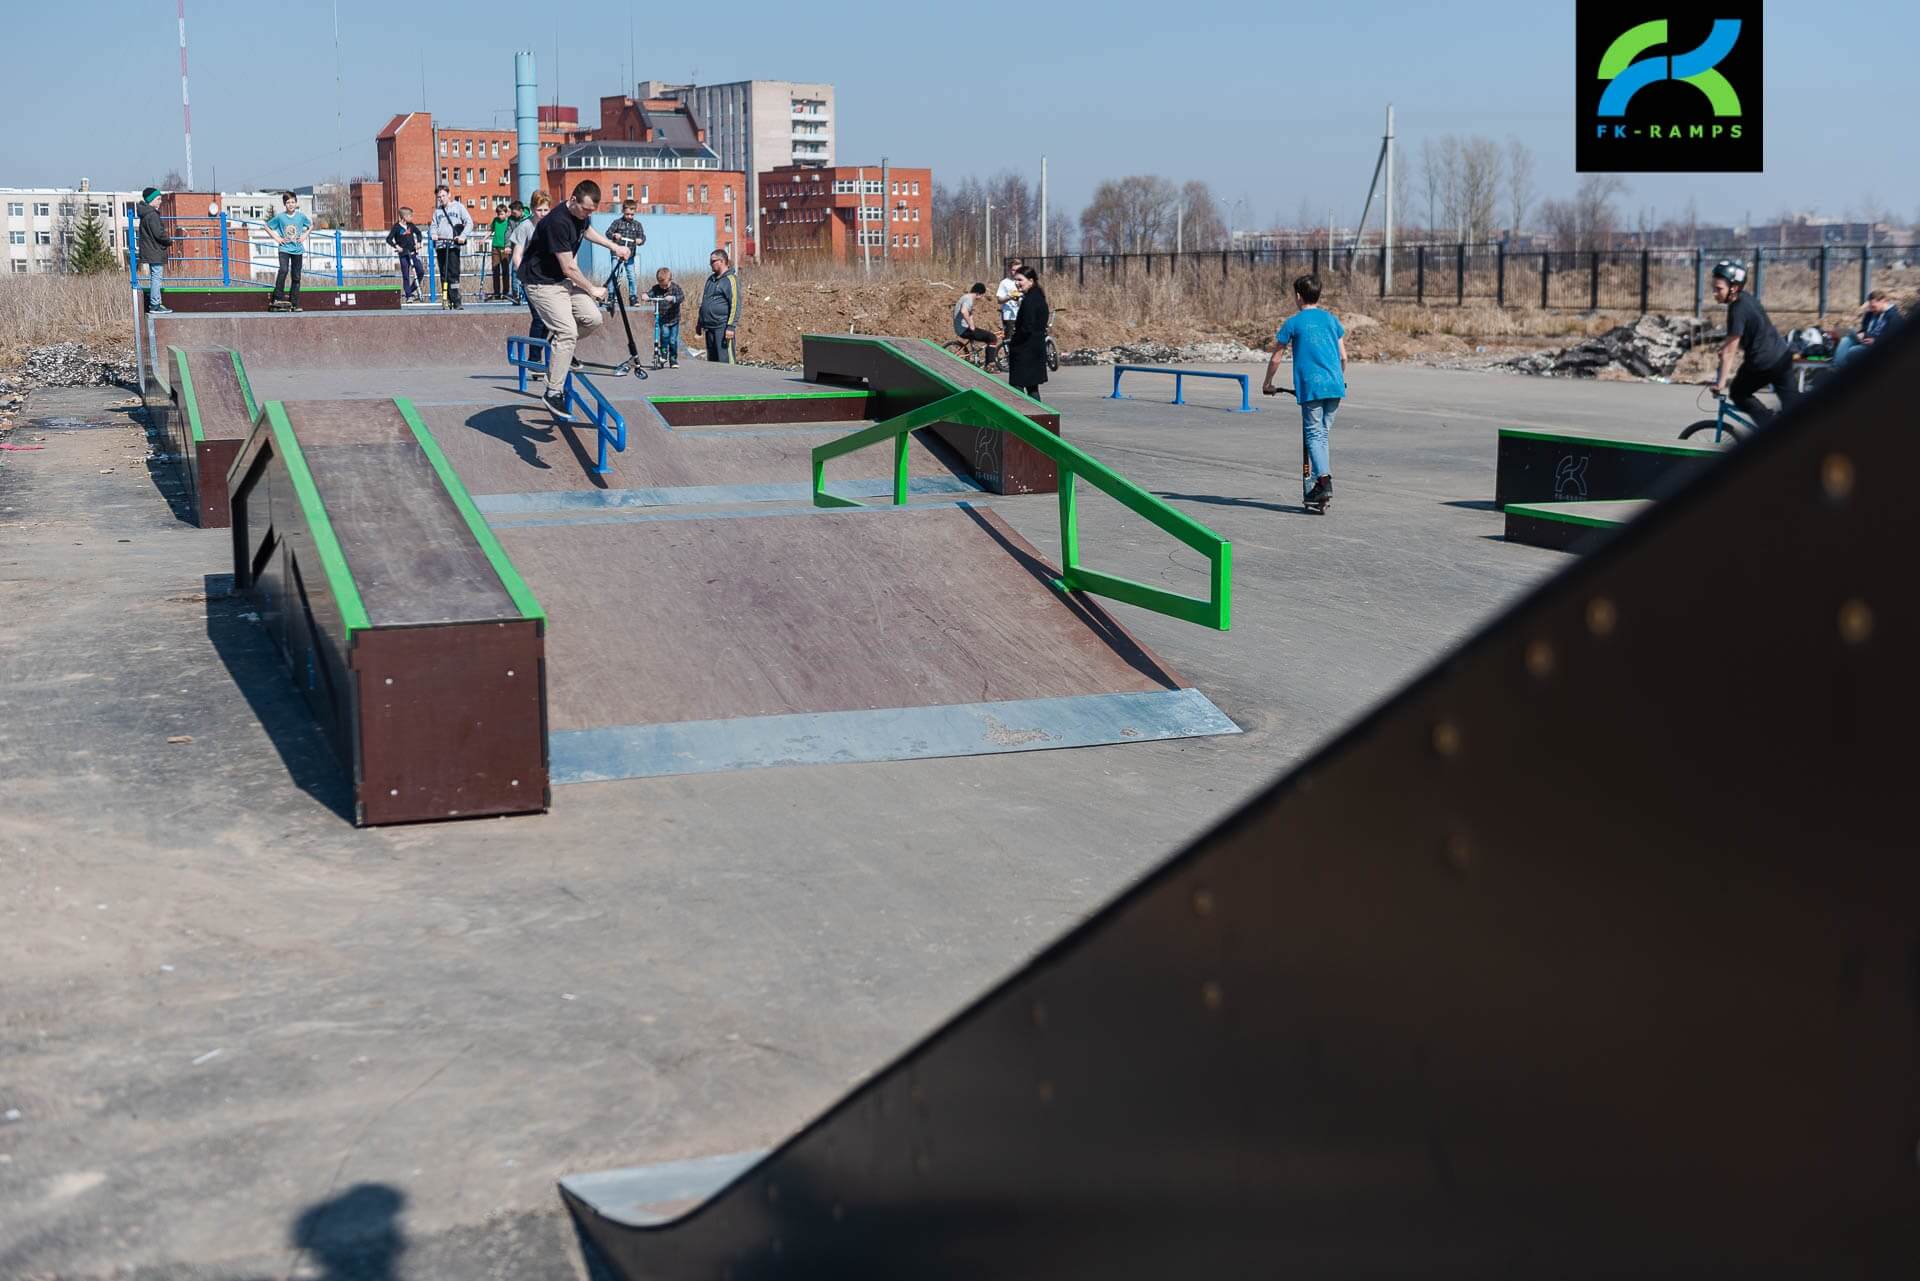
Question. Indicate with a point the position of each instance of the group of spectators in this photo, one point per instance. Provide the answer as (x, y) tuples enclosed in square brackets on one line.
[(1025, 316)]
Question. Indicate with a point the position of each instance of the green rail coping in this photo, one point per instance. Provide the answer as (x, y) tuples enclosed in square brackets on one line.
[(836, 394), (977, 409), (880, 341), (188, 403), (1679, 448), (246, 387), (510, 579), (333, 561)]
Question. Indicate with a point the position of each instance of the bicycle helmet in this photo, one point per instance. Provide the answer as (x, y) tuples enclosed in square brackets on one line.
[(1731, 271)]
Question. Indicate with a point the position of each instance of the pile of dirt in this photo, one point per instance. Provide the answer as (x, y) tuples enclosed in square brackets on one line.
[(1651, 347), (72, 364)]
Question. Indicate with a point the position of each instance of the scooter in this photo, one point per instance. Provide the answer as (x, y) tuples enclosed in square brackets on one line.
[(631, 365)]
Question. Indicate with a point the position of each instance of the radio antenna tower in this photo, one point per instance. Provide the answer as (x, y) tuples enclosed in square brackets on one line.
[(186, 107)]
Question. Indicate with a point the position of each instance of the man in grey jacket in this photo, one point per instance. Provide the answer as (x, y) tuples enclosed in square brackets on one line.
[(153, 242), (719, 314)]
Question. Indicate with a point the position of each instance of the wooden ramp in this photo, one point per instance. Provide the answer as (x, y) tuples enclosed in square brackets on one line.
[(1565, 962), (693, 641), (207, 416), (415, 644)]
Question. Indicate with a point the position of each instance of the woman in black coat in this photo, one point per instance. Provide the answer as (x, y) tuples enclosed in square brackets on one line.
[(1027, 349)]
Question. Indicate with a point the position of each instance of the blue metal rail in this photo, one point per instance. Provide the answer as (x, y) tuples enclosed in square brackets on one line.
[(525, 353), (1179, 378), (609, 423)]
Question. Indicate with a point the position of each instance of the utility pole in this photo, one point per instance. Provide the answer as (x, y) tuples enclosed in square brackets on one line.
[(860, 223), (986, 236), (1043, 209), (1386, 250), (1179, 227), (886, 207)]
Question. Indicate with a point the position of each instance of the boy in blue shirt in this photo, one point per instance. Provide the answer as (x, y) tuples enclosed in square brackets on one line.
[(289, 229), (1318, 343)]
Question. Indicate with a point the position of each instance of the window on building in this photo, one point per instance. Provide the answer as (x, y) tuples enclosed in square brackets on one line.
[(16, 237), (17, 209), (443, 146), (469, 148), (469, 176), (646, 193), (916, 213), (703, 193), (629, 192), (916, 188), (689, 193), (41, 209), (443, 175), (483, 173), (916, 240), (496, 151), (19, 266), (726, 194), (727, 222), (43, 237)]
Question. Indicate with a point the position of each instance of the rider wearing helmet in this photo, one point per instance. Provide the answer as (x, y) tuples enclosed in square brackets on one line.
[(1767, 360)]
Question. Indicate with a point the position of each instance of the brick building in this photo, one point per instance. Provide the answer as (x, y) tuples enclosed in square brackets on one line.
[(846, 211), (414, 156), (651, 154)]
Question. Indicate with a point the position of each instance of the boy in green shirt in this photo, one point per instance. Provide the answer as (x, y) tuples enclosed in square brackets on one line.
[(503, 220)]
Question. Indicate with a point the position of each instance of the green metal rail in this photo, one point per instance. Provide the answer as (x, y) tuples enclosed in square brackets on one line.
[(977, 409)]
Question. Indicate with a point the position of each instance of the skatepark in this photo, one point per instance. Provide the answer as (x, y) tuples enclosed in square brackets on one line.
[(809, 779)]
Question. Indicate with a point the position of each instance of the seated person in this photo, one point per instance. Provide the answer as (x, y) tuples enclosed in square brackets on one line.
[(1881, 318), (963, 322)]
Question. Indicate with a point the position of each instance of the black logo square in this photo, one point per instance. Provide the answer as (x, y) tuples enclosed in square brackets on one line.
[(1668, 88)]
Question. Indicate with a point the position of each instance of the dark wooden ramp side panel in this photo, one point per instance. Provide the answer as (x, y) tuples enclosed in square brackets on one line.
[(226, 417), (746, 411), (428, 678), (1547, 467), (314, 296), (904, 373), (1575, 959)]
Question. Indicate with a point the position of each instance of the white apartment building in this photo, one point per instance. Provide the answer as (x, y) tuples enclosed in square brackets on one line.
[(758, 125), (37, 224)]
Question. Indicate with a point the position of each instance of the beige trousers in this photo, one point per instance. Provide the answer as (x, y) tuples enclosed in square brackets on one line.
[(569, 313)]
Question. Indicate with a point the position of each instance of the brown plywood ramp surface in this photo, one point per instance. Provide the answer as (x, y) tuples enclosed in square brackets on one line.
[(388, 340), (521, 449), (694, 619), (410, 549), (225, 406)]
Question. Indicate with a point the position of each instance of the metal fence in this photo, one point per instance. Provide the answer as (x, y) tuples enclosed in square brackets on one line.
[(1813, 279), (237, 253)]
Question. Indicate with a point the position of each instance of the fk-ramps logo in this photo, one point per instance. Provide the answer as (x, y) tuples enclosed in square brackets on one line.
[(1671, 88)]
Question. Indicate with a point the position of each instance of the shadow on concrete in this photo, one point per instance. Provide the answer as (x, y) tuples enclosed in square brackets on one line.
[(1220, 500), (503, 423), (355, 1236), (260, 676), (1473, 504), (1096, 621)]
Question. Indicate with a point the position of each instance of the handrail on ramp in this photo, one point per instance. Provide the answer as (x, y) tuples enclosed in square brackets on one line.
[(977, 409), (525, 353), (609, 424)]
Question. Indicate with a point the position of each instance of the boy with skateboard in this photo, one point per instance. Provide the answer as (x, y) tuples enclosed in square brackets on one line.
[(667, 297), (289, 228), (1318, 344)]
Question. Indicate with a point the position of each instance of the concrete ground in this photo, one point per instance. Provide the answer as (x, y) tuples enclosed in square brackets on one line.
[(241, 1039)]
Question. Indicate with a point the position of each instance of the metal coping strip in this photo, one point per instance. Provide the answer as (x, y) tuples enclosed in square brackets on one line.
[(510, 579), (188, 401), (246, 387), (1613, 442)]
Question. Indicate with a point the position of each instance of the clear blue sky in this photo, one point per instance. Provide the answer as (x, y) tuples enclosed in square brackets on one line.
[(1207, 90)]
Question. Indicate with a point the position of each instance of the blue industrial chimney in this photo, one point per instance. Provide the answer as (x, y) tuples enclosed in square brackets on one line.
[(526, 121)]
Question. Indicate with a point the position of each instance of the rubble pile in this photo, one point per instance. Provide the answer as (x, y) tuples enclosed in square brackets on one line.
[(70, 364), (1648, 348)]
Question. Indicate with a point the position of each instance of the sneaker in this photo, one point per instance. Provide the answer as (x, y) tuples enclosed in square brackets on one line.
[(556, 402), (1321, 492), (576, 364)]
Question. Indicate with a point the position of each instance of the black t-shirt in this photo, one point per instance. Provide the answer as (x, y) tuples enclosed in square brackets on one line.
[(1760, 342), (558, 233)]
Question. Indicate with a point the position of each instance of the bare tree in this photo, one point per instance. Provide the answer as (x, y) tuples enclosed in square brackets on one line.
[(1130, 215), (1203, 226), (1589, 219), (1480, 170), (1519, 184), (1061, 231), (173, 181)]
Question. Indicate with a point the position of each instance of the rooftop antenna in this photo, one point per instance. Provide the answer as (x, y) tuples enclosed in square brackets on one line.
[(186, 107), (339, 100), (633, 67)]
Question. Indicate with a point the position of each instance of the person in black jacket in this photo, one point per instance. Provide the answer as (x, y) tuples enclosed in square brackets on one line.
[(153, 244), (404, 236), (1027, 349)]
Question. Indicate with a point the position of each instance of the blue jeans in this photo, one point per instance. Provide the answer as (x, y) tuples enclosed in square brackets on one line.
[(1848, 348), (669, 341), (1316, 420), (156, 272), (626, 269)]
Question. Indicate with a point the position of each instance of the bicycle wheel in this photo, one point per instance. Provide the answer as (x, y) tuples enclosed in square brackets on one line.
[(1053, 355), (1707, 427)]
